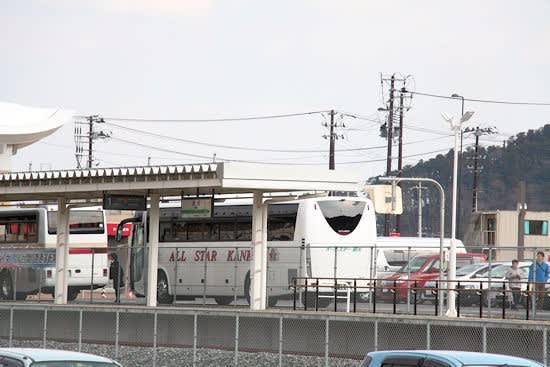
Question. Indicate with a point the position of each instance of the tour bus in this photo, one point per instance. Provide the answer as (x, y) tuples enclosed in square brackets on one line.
[(314, 237), (28, 238)]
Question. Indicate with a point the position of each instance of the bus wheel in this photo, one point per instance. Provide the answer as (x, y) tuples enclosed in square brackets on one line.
[(223, 301), (6, 285), (21, 296), (163, 295), (72, 294)]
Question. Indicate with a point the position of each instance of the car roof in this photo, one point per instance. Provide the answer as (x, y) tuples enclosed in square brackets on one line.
[(465, 358), (43, 355)]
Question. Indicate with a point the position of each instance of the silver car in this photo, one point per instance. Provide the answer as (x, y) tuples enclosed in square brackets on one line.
[(27, 357)]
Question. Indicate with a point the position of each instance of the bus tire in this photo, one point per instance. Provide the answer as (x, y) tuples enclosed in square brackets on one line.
[(6, 285), (272, 301), (21, 296), (223, 301), (163, 293), (72, 294)]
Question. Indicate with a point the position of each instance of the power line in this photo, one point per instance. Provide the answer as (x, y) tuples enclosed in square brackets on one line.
[(225, 119), (233, 147), (263, 162), (483, 100)]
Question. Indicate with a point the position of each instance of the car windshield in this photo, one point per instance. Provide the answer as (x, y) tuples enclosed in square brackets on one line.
[(496, 272), (468, 269), (72, 364), (414, 265)]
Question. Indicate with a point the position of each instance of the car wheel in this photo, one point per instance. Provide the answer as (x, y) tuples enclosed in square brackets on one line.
[(163, 294), (6, 285)]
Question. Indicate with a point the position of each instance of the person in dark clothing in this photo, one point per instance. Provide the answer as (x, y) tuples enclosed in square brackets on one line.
[(117, 275)]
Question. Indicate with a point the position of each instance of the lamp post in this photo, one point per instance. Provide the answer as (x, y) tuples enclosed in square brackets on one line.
[(456, 128), (396, 180), (460, 190)]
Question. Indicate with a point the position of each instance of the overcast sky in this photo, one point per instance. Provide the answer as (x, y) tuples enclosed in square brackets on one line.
[(178, 59)]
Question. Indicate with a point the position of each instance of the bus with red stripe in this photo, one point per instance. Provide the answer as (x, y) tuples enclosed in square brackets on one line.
[(28, 238)]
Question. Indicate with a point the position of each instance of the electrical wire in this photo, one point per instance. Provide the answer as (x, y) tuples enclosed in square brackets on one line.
[(263, 162), (482, 100), (232, 147), (225, 119)]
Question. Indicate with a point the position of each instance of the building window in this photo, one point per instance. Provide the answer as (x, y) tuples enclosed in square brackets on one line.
[(536, 227)]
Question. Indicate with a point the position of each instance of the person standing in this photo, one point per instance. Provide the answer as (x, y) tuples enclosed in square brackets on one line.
[(538, 273), (513, 276), (117, 275)]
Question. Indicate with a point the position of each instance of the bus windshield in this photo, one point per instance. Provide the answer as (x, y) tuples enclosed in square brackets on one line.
[(343, 216), (80, 222)]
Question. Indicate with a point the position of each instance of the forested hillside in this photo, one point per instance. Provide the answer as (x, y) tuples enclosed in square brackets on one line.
[(524, 157)]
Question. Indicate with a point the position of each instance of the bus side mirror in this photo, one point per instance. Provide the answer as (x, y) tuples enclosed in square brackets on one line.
[(119, 229)]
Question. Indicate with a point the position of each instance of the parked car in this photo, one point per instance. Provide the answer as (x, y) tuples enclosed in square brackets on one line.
[(434, 358), (25, 357), (467, 281), (417, 272)]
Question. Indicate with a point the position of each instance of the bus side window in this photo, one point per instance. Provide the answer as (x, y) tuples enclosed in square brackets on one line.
[(227, 231)]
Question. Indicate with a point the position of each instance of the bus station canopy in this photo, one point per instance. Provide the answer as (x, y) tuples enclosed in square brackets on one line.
[(157, 181), (187, 179)]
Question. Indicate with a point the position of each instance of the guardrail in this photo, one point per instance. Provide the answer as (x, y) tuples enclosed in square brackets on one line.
[(524, 302)]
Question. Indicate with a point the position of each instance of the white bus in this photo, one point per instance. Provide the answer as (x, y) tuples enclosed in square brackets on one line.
[(313, 237), (28, 238)]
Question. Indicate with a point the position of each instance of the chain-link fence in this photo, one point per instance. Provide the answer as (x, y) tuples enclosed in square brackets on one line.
[(179, 337)]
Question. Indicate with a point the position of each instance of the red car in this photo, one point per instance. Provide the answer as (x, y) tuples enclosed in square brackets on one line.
[(420, 269)]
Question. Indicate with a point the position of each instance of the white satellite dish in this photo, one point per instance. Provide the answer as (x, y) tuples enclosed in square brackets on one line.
[(21, 126)]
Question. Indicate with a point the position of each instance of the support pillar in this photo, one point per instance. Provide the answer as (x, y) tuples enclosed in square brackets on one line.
[(153, 250), (259, 256), (62, 253)]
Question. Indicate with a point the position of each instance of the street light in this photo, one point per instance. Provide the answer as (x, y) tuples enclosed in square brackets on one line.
[(395, 181), (456, 128), (459, 205)]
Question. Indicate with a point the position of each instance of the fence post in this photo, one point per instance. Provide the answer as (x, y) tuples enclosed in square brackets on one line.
[(195, 339), (280, 341), (375, 335), (45, 330), (545, 346), (235, 272), (174, 289), (408, 281), (155, 319), (484, 338), (117, 333), (10, 338), (428, 336), (92, 277), (489, 283), (327, 333), (236, 355), (80, 331)]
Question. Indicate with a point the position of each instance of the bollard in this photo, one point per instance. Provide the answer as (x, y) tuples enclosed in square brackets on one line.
[(335, 295)]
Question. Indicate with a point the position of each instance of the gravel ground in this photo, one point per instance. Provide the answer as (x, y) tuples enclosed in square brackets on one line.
[(131, 356)]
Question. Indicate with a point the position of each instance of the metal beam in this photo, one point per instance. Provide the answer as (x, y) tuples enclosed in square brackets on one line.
[(153, 250), (257, 270), (62, 252)]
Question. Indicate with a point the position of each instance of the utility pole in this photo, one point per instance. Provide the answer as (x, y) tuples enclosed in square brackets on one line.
[(477, 132), (400, 153), (387, 218), (83, 139), (332, 139)]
